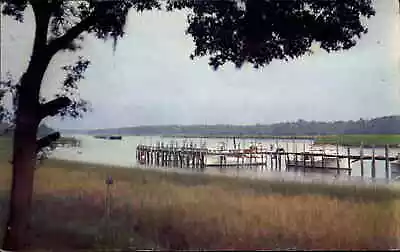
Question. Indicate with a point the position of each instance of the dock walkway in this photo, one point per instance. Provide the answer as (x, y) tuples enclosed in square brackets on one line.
[(190, 156)]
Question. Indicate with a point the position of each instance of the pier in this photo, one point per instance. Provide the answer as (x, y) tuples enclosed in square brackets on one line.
[(191, 156), (172, 156)]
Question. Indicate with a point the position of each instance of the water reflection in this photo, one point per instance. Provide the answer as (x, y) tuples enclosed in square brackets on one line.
[(123, 153)]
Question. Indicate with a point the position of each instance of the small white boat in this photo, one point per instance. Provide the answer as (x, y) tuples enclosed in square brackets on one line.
[(234, 157), (214, 160), (315, 157), (219, 147), (395, 168)]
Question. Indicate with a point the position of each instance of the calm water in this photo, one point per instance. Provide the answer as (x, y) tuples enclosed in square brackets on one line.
[(123, 153)]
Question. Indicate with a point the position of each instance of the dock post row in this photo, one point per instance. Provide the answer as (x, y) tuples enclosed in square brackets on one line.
[(191, 156)]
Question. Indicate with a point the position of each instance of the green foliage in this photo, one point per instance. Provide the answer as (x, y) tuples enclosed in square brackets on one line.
[(66, 21), (258, 32), (107, 18), (242, 31)]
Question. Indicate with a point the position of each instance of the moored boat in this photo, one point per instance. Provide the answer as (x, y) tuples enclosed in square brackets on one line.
[(316, 157), (220, 155), (395, 168), (109, 137)]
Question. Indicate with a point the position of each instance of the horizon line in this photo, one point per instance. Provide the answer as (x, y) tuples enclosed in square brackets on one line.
[(222, 124)]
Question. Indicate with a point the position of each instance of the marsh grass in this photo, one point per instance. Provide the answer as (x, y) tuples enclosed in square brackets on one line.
[(368, 140), (153, 209)]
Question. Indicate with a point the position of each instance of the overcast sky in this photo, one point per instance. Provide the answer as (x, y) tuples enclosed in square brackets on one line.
[(151, 80)]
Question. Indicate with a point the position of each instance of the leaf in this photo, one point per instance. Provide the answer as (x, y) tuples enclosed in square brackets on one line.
[(14, 8), (260, 31)]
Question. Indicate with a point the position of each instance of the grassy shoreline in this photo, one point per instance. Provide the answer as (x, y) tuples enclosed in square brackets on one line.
[(357, 140), (244, 136), (154, 209), (368, 140)]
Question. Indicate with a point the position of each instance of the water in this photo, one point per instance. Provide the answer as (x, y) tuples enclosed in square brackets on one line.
[(123, 153)]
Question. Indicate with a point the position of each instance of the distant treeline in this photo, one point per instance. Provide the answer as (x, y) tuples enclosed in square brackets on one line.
[(382, 125)]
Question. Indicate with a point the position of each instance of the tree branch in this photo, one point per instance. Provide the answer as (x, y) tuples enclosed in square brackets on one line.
[(62, 42), (51, 108), (7, 130), (42, 18), (47, 140), (44, 142)]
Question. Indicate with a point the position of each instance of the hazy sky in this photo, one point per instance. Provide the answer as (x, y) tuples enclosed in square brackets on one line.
[(151, 80)]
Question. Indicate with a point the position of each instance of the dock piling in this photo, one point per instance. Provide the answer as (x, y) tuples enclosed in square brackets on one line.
[(362, 159), (193, 156), (386, 161), (337, 158), (348, 160), (373, 171)]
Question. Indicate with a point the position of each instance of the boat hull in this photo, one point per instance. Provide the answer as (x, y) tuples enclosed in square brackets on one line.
[(395, 169), (109, 137), (232, 160), (328, 163), (328, 166)]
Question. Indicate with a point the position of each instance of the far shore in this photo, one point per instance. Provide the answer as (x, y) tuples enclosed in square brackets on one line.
[(364, 140)]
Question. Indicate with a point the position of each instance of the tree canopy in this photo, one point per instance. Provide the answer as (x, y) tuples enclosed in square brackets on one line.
[(258, 32), (238, 31), (235, 31)]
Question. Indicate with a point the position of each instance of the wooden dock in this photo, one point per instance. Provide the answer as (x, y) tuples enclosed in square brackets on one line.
[(191, 156), (171, 156)]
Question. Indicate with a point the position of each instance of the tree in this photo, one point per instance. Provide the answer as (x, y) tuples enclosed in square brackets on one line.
[(258, 32), (55, 31), (237, 31)]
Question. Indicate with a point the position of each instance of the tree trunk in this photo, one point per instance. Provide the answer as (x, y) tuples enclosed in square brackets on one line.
[(24, 151), (24, 158)]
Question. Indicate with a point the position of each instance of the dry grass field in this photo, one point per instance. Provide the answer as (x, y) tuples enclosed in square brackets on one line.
[(154, 209)]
